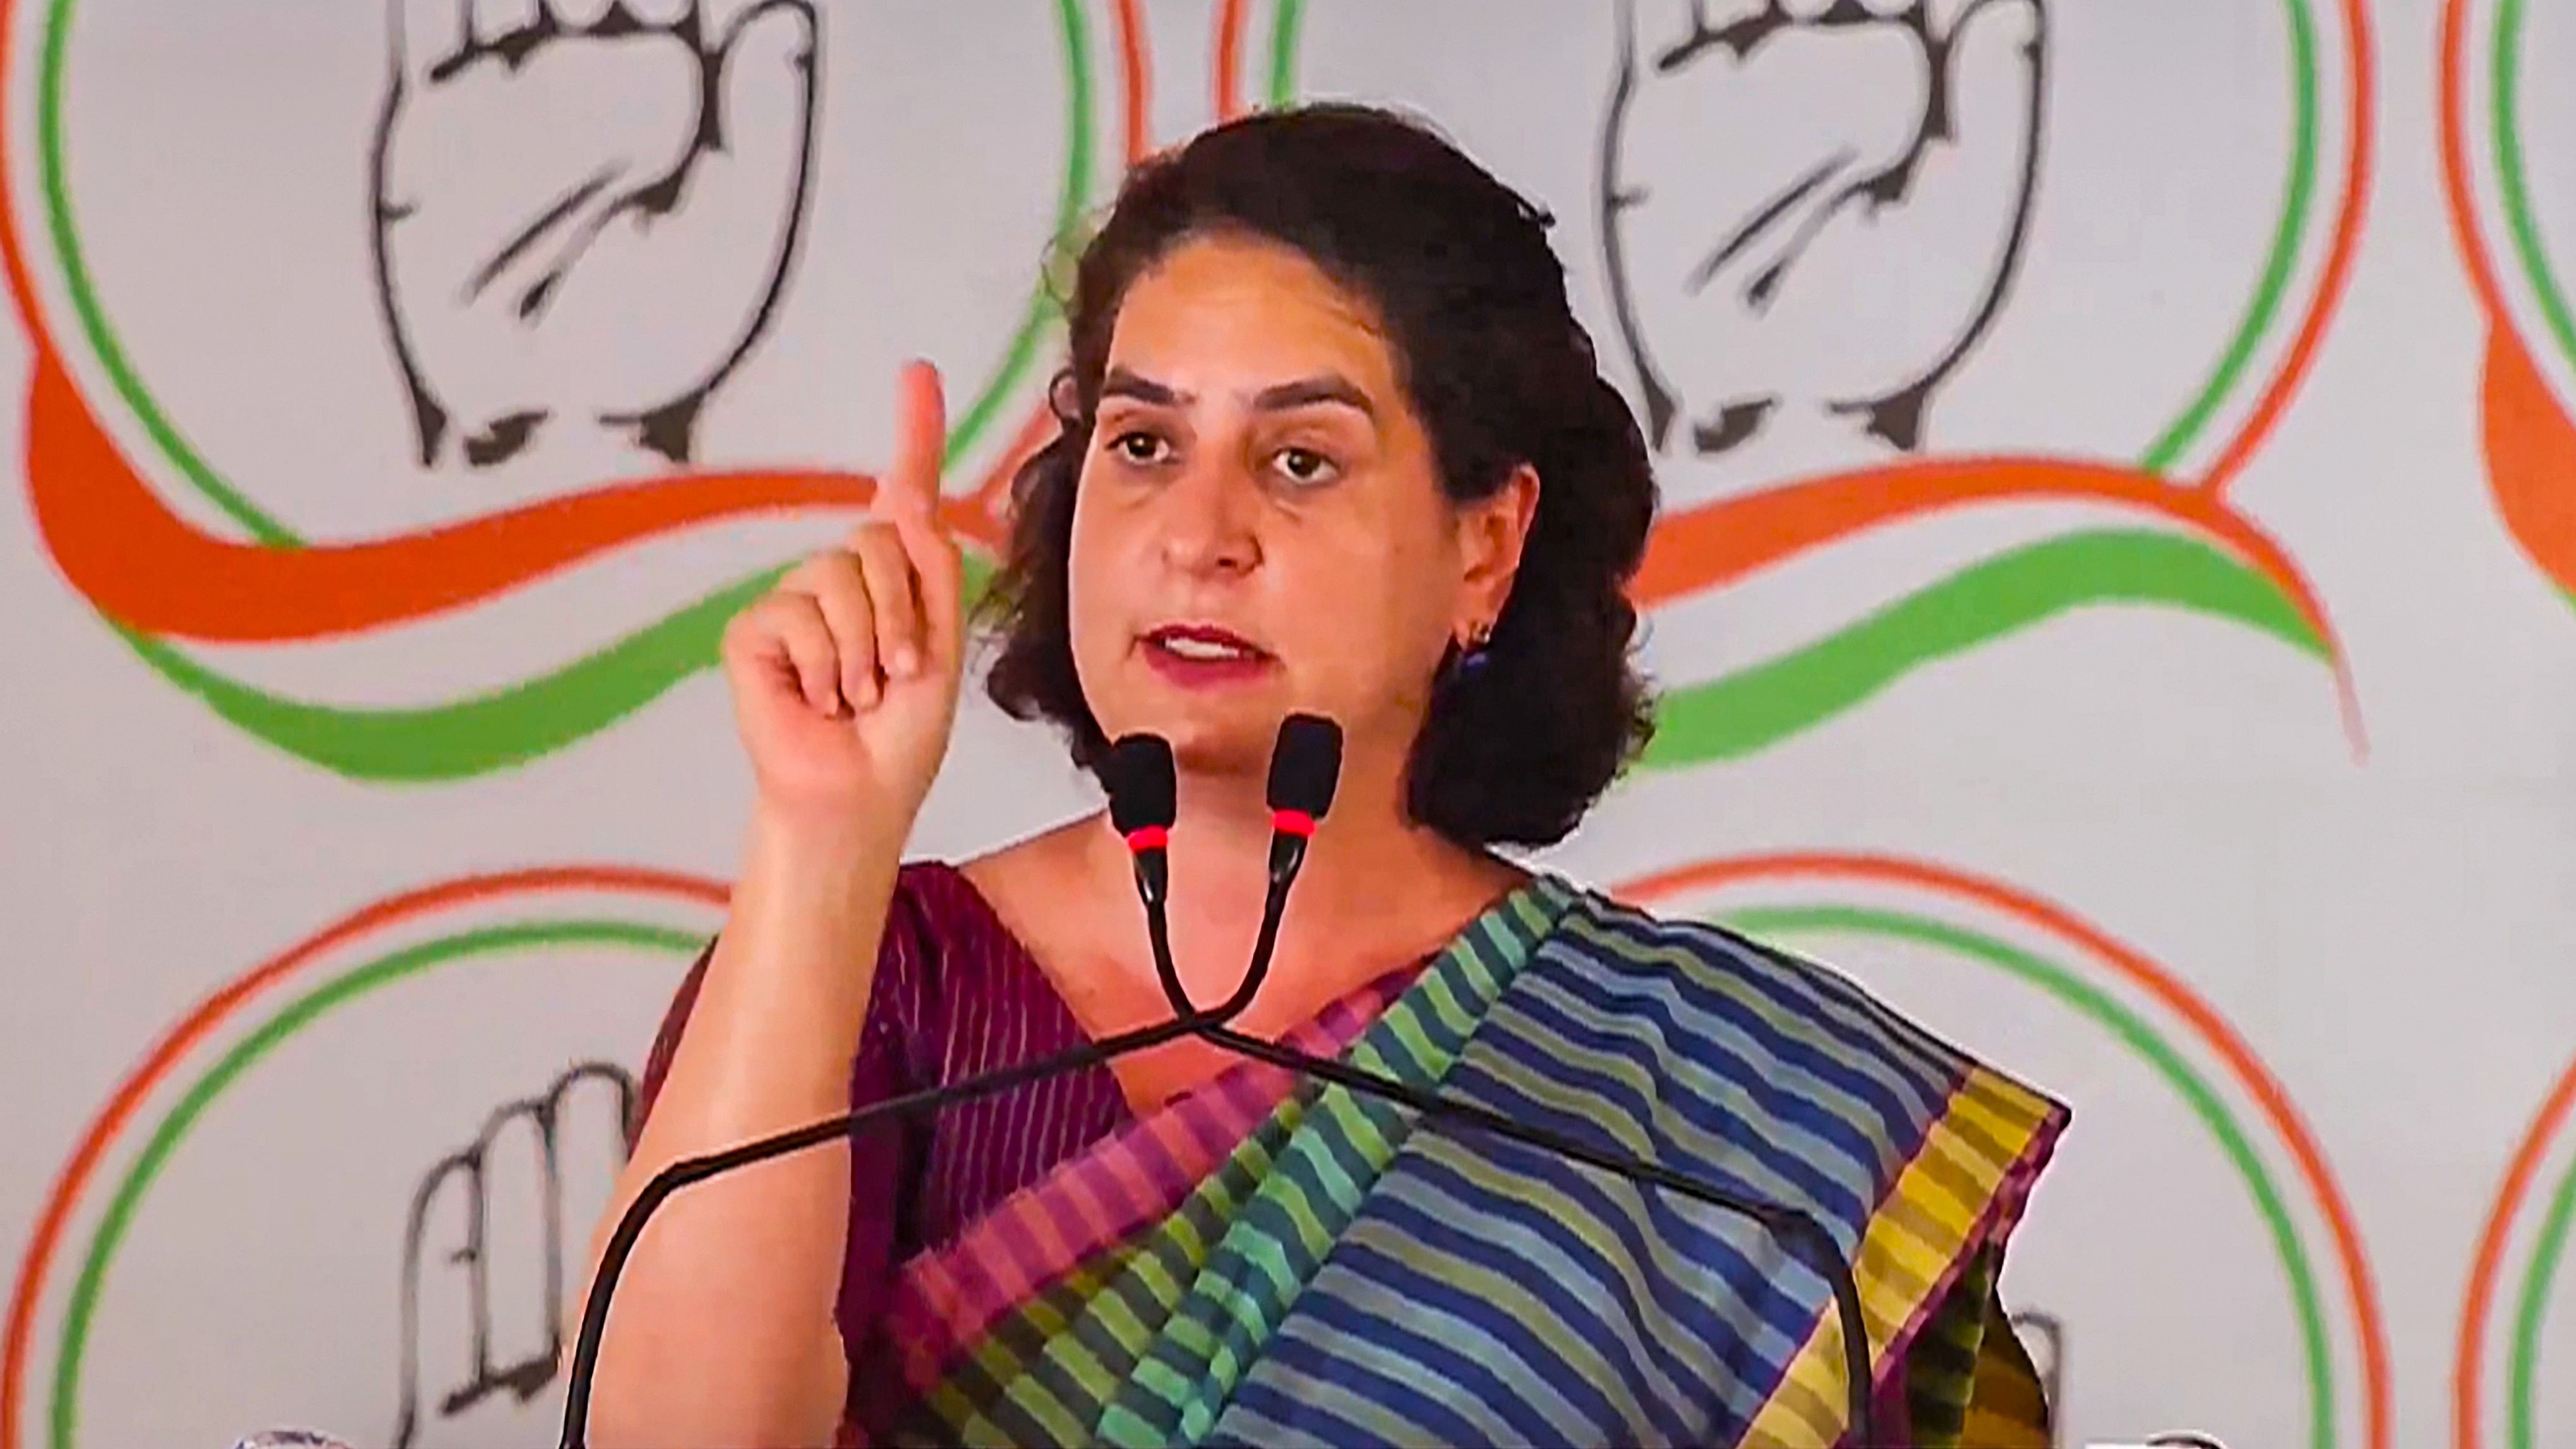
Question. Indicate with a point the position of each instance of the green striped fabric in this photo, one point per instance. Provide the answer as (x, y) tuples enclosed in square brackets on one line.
[(1351, 1276), (1126, 1355)]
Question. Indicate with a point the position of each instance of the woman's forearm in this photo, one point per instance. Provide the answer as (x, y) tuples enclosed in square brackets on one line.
[(722, 1328)]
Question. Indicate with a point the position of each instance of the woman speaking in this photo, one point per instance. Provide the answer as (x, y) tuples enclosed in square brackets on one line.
[(1331, 441)]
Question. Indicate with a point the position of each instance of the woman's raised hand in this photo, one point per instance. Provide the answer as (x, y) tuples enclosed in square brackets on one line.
[(845, 677)]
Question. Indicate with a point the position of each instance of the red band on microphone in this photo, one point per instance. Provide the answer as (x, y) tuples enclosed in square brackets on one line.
[(1293, 822), (1148, 837)]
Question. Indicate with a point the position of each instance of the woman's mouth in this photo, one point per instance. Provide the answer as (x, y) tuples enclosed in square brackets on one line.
[(1201, 656)]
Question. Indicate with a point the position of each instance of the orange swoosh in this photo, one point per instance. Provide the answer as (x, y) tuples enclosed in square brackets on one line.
[(2529, 440), (2531, 457), (2455, 164), (1720, 542), (121, 546)]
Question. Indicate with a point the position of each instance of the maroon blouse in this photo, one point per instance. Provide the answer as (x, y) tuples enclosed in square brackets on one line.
[(956, 995)]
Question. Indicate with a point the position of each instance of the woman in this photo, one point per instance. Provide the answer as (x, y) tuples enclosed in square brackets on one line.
[(1331, 440)]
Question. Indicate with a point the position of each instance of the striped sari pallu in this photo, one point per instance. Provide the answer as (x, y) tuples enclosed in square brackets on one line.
[(1270, 1262)]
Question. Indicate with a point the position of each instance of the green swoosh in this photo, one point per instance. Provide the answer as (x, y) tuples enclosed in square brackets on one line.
[(485, 732), (1740, 713), (1722, 719)]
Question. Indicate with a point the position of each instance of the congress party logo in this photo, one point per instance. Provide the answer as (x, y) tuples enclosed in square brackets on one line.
[(423, 384), (2185, 1150), (1944, 317), (2514, 214), (2520, 1311), (400, 1133)]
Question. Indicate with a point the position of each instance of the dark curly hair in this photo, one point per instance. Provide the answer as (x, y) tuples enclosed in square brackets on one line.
[(1459, 273)]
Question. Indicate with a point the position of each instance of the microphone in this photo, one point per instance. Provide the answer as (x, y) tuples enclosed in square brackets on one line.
[(1144, 795), (1305, 765), (1305, 768)]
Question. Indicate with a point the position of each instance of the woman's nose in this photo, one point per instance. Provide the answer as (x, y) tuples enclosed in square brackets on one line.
[(1207, 519)]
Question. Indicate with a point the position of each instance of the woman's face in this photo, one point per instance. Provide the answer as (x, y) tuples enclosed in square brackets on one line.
[(1259, 527)]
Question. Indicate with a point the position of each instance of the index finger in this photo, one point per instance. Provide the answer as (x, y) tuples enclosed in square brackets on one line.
[(908, 490)]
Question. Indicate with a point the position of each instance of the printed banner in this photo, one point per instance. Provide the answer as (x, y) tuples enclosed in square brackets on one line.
[(2111, 598)]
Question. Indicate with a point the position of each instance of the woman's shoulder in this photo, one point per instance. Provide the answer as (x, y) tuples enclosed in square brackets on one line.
[(1717, 994)]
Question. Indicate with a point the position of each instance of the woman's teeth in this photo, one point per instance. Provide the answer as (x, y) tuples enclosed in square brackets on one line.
[(1205, 649)]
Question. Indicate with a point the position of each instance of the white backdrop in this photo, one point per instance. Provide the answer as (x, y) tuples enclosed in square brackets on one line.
[(2116, 597)]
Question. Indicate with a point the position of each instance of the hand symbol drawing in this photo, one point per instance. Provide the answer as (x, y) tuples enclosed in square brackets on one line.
[(585, 211), (1812, 209), (486, 1268)]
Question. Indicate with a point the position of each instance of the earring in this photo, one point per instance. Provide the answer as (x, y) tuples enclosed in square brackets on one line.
[(1473, 656)]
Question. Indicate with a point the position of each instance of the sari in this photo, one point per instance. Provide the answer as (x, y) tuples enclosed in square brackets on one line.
[(1268, 1260)]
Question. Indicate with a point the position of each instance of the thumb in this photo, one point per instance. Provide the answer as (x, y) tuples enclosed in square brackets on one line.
[(1995, 60), (766, 106), (1972, 196)]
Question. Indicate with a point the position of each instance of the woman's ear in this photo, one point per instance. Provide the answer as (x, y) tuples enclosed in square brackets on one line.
[(1492, 532)]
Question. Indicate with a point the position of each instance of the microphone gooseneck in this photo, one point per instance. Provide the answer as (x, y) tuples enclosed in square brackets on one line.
[(1144, 796), (1139, 773), (1305, 768), (690, 1171)]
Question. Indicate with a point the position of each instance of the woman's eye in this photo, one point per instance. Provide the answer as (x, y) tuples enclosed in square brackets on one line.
[(1137, 447), (1305, 465)]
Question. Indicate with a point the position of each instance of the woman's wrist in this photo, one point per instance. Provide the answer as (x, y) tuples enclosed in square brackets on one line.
[(807, 845), (824, 883), (810, 906)]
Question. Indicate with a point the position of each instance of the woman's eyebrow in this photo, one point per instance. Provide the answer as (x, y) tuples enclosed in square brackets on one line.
[(1280, 397), (1122, 383), (1308, 391)]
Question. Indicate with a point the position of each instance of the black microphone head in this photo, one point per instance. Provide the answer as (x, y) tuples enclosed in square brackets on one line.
[(1305, 765), (1143, 792)]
